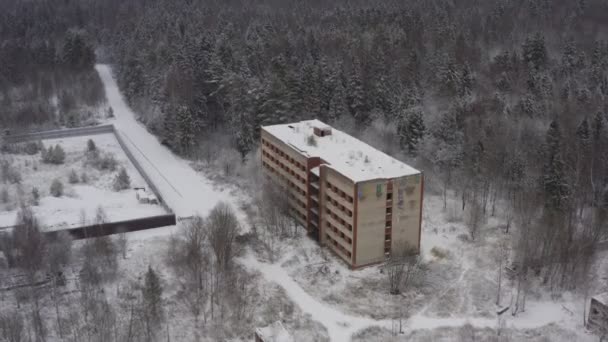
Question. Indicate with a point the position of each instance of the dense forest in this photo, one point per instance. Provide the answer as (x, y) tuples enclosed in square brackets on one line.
[(502, 102)]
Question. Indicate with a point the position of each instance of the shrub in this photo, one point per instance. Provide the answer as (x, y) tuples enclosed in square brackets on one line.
[(73, 177), (32, 148), (91, 146), (57, 188), (108, 162), (53, 155), (9, 173), (439, 253), (4, 196), (84, 178), (35, 196), (101, 162), (122, 180)]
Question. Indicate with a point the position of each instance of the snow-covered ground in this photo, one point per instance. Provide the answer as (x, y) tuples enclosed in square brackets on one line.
[(66, 211), (458, 289), (184, 190)]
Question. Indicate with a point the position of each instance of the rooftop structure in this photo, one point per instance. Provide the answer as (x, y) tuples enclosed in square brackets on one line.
[(356, 200), (342, 152)]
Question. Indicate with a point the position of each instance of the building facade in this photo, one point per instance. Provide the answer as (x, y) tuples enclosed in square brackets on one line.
[(352, 198)]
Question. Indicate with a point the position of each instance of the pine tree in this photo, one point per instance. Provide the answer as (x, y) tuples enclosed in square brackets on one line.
[(187, 128), (356, 97), (152, 293), (76, 52), (466, 81), (554, 180), (411, 130), (338, 106), (534, 52), (122, 180)]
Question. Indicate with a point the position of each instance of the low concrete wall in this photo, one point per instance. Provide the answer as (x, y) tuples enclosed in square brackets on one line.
[(140, 169), (110, 228), (56, 134)]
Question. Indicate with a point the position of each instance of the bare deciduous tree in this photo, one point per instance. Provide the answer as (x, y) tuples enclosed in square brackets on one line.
[(402, 268), (12, 328), (223, 230), (273, 207)]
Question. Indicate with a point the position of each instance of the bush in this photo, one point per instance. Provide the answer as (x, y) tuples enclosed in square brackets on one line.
[(9, 173), (101, 162), (53, 155), (35, 196), (73, 177), (91, 146), (439, 253), (84, 178), (122, 180), (32, 148), (4, 196), (57, 188)]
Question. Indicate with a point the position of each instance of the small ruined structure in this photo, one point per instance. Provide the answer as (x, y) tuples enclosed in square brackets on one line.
[(273, 333), (144, 197), (597, 321)]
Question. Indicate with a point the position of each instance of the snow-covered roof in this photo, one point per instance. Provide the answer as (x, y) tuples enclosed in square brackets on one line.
[(342, 152), (602, 298), (274, 333)]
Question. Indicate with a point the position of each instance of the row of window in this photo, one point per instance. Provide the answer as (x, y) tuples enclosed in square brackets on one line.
[(339, 219), (339, 233), (291, 184), (342, 208), (338, 246), (284, 167), (339, 192), (284, 155)]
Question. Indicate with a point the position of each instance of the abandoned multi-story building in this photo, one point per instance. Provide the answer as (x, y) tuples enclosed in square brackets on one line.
[(356, 200)]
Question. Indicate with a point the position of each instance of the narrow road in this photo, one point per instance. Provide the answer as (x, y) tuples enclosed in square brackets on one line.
[(185, 191)]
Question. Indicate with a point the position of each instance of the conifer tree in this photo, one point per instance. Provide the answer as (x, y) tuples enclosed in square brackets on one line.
[(356, 96), (534, 51), (555, 184), (411, 130), (152, 293)]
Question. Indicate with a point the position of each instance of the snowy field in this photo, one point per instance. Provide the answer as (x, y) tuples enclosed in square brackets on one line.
[(82, 197)]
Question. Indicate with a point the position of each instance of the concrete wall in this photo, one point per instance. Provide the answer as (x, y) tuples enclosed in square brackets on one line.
[(371, 221), (61, 133), (406, 211), (372, 217)]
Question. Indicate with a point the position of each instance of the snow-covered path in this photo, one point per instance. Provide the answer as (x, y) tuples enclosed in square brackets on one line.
[(188, 192), (341, 326), (184, 190)]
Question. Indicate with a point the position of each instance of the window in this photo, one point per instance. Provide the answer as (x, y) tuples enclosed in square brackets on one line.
[(378, 190), (389, 196)]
